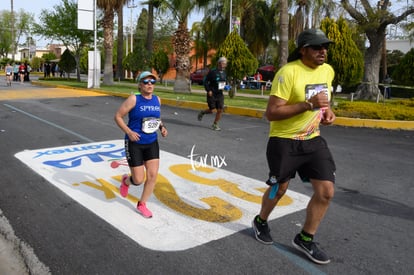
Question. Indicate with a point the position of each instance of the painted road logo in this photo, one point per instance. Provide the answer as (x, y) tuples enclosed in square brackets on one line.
[(190, 206)]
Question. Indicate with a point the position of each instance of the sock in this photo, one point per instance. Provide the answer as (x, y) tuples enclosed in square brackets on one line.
[(305, 236), (260, 220)]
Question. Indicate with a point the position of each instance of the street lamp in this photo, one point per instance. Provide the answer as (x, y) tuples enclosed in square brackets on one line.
[(12, 28)]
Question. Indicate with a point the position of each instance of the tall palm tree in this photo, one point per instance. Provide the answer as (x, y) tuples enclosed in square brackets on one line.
[(152, 4), (109, 7), (283, 32), (181, 9)]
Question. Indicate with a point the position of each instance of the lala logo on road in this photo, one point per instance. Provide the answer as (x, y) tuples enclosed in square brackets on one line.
[(190, 206)]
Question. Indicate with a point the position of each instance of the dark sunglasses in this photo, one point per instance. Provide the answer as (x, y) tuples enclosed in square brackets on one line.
[(319, 47), (146, 81)]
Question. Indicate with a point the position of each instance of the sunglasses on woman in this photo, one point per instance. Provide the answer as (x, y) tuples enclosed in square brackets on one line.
[(146, 81)]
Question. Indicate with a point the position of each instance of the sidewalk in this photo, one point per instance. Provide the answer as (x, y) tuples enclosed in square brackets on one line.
[(16, 257)]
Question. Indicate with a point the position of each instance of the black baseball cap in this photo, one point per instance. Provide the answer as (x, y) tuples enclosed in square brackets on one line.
[(307, 38)]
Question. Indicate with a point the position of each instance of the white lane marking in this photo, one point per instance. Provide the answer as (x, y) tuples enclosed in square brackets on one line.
[(49, 123), (190, 207)]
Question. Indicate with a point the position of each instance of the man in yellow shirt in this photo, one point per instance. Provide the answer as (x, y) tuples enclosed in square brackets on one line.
[(298, 103)]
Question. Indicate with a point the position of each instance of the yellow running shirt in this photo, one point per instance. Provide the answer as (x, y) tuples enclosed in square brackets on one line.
[(295, 83)]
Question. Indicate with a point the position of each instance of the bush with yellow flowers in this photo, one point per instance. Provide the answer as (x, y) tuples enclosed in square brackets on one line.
[(389, 110)]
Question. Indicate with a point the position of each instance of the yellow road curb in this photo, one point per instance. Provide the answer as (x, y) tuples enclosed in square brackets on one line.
[(340, 121)]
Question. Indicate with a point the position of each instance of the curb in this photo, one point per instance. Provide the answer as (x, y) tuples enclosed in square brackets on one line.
[(258, 113)]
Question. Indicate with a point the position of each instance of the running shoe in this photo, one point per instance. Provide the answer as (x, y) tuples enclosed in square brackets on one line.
[(215, 127), (262, 231), (311, 250), (142, 208), (200, 115), (123, 190)]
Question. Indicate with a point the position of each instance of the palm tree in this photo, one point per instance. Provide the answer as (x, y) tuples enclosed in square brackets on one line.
[(283, 32), (152, 4), (109, 8), (181, 9)]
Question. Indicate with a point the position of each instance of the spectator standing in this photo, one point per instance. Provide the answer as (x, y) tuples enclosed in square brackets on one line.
[(258, 78), (28, 71), (16, 72), (22, 72)]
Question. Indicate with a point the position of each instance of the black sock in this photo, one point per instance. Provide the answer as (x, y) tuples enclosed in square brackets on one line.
[(132, 182), (305, 236), (260, 220)]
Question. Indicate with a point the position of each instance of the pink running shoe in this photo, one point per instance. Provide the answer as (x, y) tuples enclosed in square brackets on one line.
[(142, 208), (123, 189)]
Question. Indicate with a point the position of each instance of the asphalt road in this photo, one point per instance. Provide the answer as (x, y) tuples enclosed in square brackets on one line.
[(367, 230)]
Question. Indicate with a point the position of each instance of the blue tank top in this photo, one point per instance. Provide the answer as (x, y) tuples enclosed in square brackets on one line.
[(144, 108)]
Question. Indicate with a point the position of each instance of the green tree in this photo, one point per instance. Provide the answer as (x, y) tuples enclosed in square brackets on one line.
[(240, 61), (404, 72), (373, 21), (5, 34), (343, 55), (61, 25), (160, 62), (138, 60), (48, 56), (13, 27), (36, 63), (67, 62)]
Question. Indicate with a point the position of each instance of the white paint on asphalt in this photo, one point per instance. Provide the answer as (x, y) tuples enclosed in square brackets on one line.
[(190, 207)]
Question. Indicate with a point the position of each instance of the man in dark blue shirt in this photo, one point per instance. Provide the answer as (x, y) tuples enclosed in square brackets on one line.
[(214, 84)]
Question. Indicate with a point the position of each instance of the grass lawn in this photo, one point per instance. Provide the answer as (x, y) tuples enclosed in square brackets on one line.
[(391, 109)]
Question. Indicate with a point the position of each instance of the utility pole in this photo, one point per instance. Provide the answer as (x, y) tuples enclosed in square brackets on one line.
[(12, 29), (231, 15), (131, 6)]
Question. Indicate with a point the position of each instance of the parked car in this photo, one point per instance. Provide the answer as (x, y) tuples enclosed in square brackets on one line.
[(268, 72), (198, 76)]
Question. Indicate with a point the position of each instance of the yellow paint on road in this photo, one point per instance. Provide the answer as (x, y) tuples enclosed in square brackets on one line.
[(46, 93)]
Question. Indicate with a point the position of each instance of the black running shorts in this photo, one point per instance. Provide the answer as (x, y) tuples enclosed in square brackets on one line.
[(310, 158), (216, 101), (136, 154)]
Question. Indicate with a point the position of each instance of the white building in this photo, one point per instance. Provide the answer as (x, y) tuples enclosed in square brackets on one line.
[(401, 45)]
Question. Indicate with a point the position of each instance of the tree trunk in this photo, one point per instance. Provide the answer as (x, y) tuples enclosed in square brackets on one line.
[(108, 26), (150, 27), (182, 50), (284, 33), (368, 89), (120, 46)]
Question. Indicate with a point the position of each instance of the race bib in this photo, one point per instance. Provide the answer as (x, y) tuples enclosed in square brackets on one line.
[(150, 124), (313, 89), (221, 85)]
